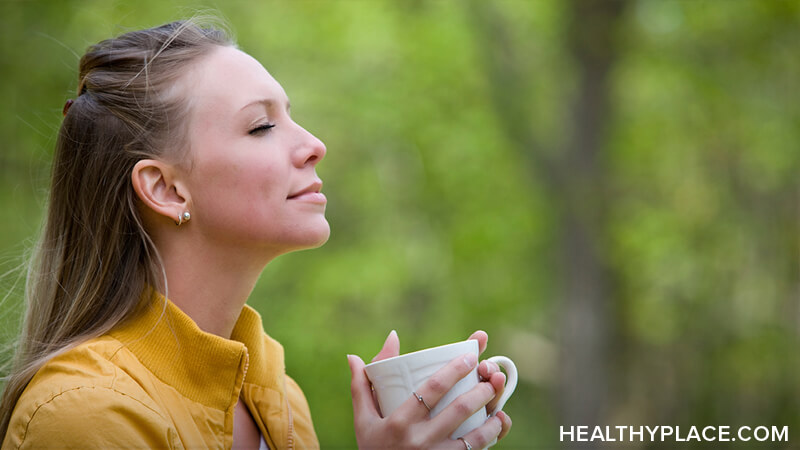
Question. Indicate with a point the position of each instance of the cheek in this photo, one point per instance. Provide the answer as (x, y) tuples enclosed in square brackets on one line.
[(232, 194)]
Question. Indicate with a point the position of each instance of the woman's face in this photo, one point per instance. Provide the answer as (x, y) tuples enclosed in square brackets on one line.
[(251, 174)]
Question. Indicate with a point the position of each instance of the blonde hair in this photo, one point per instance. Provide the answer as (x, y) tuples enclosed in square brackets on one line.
[(94, 257)]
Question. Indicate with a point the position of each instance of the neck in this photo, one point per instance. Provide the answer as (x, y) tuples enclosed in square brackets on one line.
[(210, 285)]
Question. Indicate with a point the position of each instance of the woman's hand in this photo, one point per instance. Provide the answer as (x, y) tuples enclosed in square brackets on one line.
[(410, 426)]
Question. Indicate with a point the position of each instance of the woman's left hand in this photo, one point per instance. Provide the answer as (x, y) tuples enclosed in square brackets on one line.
[(487, 371)]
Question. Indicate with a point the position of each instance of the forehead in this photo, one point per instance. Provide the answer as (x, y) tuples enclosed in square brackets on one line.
[(228, 79)]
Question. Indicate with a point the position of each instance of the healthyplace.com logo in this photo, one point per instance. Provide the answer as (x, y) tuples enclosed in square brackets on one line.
[(662, 433)]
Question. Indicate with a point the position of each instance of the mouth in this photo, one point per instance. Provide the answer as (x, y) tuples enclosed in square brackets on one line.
[(310, 193)]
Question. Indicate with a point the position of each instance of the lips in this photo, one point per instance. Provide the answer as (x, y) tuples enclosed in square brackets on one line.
[(310, 193)]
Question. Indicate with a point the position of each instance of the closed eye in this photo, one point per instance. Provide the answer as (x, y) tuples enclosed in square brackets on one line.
[(261, 129)]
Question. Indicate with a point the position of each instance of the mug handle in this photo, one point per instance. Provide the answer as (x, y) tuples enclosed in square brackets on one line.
[(511, 382)]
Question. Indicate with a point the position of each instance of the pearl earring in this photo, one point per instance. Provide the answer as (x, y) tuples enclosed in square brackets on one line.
[(184, 217)]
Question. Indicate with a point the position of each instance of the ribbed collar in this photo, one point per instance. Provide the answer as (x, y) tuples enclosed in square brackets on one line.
[(203, 367)]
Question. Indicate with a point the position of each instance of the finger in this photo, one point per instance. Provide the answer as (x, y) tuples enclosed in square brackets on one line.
[(464, 406), (482, 436), (498, 382), (436, 387), (391, 347), (487, 368), (482, 339), (361, 390), (506, 424)]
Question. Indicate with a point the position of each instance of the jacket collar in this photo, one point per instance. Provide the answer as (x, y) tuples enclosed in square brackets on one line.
[(203, 367)]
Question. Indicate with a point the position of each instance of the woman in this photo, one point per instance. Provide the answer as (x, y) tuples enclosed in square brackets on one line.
[(178, 175)]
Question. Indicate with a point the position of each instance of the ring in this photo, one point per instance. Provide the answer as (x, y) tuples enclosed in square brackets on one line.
[(421, 400), (469, 447)]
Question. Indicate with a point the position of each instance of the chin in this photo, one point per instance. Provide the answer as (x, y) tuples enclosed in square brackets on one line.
[(323, 236), (312, 238)]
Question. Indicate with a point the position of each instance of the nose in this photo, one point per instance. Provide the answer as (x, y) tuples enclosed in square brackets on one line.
[(310, 151)]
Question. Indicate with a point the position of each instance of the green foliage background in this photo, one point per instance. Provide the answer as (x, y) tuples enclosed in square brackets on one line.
[(439, 225)]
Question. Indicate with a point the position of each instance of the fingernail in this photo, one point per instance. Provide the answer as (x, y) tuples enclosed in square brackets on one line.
[(471, 359)]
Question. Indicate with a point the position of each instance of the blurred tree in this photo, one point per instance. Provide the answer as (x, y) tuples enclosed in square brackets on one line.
[(576, 179)]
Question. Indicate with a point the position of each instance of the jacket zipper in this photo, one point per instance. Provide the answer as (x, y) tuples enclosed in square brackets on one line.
[(241, 384), (290, 437)]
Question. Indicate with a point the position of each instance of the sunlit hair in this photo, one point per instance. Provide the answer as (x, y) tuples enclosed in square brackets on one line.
[(94, 258)]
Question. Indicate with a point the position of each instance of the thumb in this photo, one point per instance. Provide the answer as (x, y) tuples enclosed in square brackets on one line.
[(391, 347)]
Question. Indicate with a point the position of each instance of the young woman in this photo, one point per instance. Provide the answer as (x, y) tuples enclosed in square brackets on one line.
[(178, 175)]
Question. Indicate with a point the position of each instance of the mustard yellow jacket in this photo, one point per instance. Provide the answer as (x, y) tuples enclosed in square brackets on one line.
[(158, 381)]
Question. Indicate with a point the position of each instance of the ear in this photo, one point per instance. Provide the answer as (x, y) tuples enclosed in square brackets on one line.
[(158, 187)]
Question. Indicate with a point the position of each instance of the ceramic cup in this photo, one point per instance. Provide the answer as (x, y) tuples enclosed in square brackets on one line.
[(394, 380)]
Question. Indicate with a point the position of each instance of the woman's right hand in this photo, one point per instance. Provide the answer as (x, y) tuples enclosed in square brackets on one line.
[(410, 425)]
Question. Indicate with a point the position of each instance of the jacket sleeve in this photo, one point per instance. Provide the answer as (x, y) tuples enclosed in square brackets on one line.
[(90, 418)]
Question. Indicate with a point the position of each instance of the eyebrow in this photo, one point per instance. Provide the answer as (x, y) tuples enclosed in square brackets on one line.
[(267, 103)]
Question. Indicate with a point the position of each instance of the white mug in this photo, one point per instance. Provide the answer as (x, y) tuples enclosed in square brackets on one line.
[(394, 380)]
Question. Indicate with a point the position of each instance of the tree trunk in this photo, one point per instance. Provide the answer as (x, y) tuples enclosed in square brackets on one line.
[(576, 182), (587, 309)]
